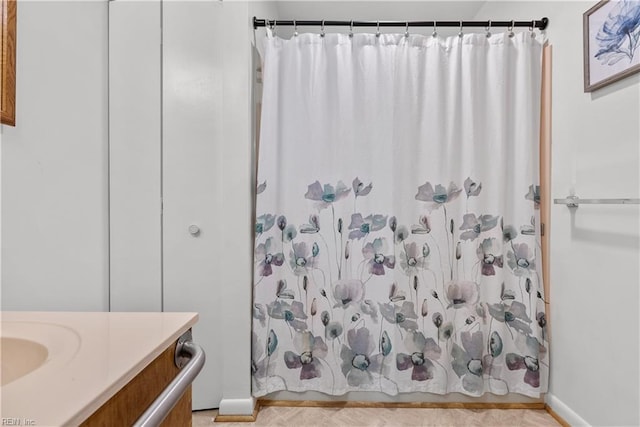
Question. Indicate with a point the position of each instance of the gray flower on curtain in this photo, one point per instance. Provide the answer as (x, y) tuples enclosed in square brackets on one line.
[(374, 254), (404, 316), (422, 351), (261, 363), (534, 195), (424, 226), (521, 260), (471, 187), (325, 196), (462, 293), (439, 196), (358, 360), (490, 256), (347, 292), (310, 350), (473, 226), (302, 259), (359, 189), (412, 259), (264, 223), (467, 361), (266, 259), (292, 313), (261, 187), (362, 226), (514, 315)]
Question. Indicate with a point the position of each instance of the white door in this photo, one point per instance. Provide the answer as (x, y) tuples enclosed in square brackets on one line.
[(192, 112), (165, 106)]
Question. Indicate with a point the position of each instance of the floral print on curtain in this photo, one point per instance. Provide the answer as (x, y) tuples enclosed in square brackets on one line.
[(319, 325)]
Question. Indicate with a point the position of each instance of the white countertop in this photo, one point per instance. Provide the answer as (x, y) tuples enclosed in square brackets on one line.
[(91, 357)]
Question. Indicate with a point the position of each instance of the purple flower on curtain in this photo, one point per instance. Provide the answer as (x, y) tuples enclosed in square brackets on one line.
[(359, 189), (325, 196), (358, 360), (534, 195), (374, 254), (467, 361), (473, 226), (490, 256), (412, 259), (266, 259), (521, 260), (531, 364), (404, 316), (264, 223), (471, 187), (302, 259), (347, 292), (292, 313), (619, 36), (462, 293), (310, 350), (421, 351), (362, 226), (439, 196), (530, 350)]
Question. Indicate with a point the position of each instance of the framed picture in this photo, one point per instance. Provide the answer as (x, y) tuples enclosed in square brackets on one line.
[(611, 42)]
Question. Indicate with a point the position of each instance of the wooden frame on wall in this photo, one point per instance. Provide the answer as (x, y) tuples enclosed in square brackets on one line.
[(611, 48), (8, 16)]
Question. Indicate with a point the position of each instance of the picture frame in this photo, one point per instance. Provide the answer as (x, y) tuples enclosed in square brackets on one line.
[(8, 62), (611, 31)]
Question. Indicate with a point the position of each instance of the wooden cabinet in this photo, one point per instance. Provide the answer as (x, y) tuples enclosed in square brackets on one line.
[(8, 15)]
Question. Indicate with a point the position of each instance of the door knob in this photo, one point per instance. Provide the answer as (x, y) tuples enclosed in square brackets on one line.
[(194, 230)]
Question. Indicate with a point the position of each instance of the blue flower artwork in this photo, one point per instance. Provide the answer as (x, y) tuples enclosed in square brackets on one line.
[(619, 36)]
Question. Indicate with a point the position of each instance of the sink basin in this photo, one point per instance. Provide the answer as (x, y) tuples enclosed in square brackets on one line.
[(19, 357)]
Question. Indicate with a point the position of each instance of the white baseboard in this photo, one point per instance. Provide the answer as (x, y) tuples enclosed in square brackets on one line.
[(566, 413), (237, 406)]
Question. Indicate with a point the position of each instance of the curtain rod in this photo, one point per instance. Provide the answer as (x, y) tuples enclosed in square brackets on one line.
[(540, 24)]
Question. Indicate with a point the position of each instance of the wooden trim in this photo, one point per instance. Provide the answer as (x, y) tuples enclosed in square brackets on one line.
[(556, 417), (545, 173), (416, 405), (238, 418), (8, 14)]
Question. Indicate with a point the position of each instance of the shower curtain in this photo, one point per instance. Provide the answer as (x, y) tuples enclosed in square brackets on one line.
[(397, 229)]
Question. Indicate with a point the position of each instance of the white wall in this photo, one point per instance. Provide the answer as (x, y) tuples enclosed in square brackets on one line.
[(595, 249), (54, 162)]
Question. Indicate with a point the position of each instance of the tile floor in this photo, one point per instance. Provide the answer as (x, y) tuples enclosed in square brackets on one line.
[(356, 417)]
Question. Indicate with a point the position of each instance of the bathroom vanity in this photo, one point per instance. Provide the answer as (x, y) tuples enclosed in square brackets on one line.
[(62, 368)]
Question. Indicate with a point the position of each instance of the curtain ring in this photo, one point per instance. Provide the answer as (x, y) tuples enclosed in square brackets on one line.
[(435, 29), (488, 28), (275, 24), (295, 28), (532, 29), (322, 29), (406, 30), (510, 29), (460, 33), (377, 28), (351, 29)]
